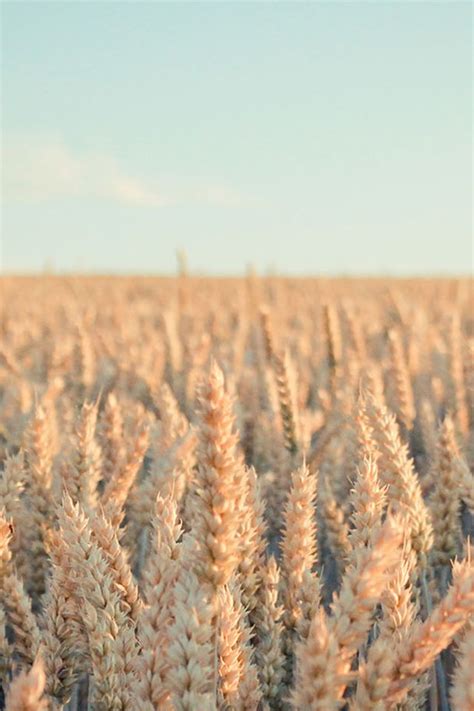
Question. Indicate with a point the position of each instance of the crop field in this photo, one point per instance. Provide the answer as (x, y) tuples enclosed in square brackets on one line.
[(250, 494)]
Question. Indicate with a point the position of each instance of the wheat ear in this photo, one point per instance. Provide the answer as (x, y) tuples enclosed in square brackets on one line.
[(16, 602), (218, 483), (189, 677), (159, 577), (111, 639), (25, 692), (298, 546), (362, 586), (317, 677), (462, 692), (397, 472), (268, 634)]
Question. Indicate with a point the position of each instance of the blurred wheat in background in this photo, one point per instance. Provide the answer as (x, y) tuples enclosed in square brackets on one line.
[(237, 494)]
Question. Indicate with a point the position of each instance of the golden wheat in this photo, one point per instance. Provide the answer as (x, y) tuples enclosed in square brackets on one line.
[(236, 495)]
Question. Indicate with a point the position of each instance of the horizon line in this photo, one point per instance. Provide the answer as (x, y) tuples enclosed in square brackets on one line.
[(197, 274)]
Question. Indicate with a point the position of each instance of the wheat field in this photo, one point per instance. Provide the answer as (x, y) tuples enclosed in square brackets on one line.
[(236, 494)]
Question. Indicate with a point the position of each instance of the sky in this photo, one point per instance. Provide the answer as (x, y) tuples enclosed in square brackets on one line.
[(298, 137)]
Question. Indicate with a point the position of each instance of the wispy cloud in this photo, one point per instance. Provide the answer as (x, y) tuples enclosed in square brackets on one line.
[(46, 169), (37, 170)]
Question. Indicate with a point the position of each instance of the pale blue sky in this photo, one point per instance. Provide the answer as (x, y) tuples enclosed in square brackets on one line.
[(312, 137)]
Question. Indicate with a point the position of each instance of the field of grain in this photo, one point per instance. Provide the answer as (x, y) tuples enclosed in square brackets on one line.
[(236, 494)]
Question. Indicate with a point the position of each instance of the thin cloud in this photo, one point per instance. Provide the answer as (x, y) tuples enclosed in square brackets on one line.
[(38, 170)]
